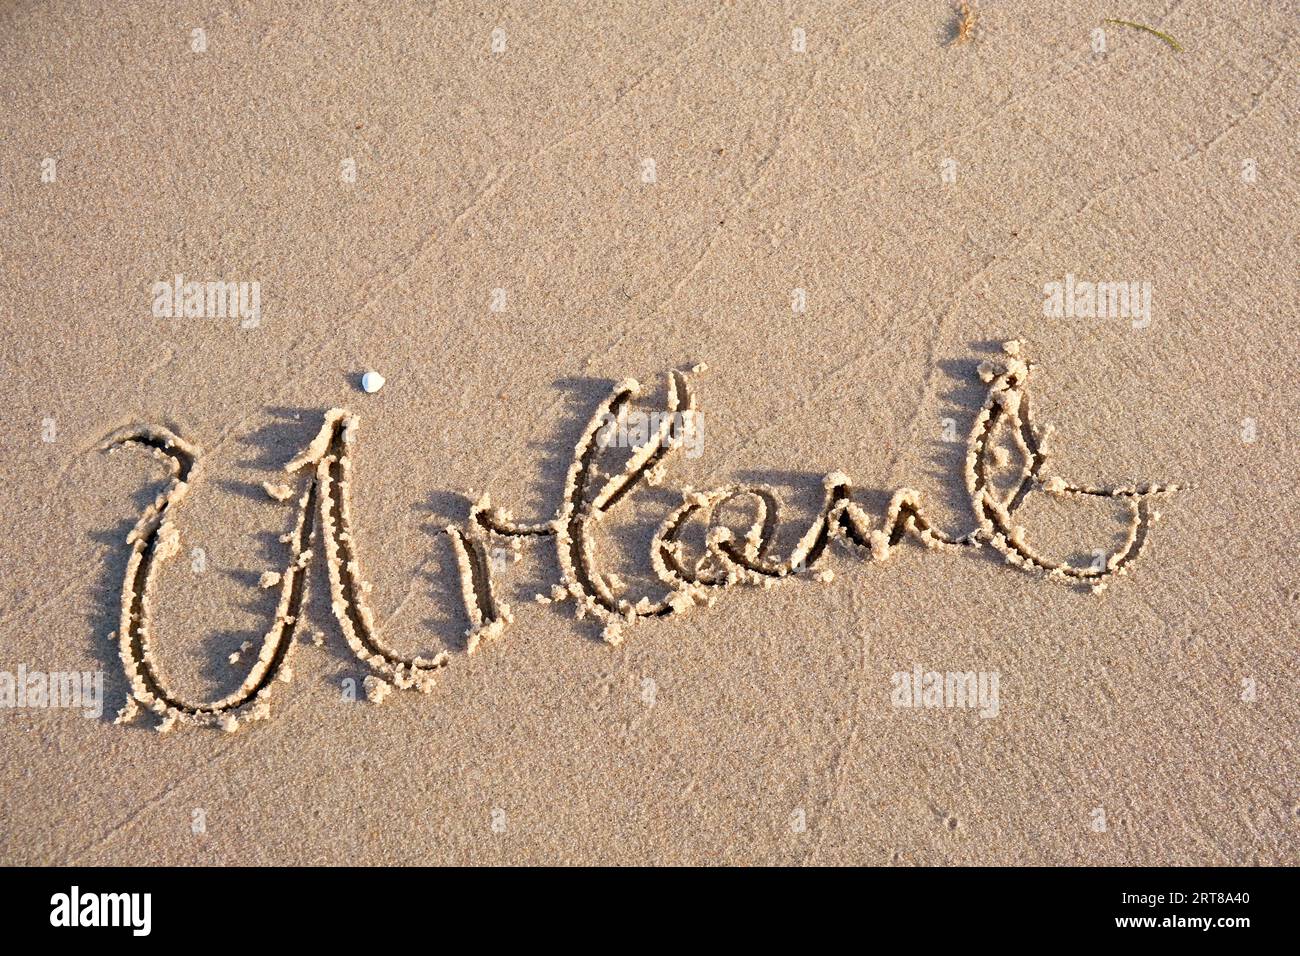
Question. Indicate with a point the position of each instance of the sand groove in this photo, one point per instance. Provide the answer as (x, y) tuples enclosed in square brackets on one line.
[(325, 508)]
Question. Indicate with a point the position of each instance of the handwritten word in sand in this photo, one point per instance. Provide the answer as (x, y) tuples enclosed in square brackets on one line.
[(324, 474)]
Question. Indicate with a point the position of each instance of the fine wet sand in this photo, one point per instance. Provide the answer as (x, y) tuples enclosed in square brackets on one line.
[(844, 249)]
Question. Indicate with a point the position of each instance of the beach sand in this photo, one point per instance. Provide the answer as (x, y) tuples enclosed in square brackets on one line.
[(505, 210)]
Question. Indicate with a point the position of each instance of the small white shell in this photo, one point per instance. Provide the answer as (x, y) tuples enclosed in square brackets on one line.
[(372, 382)]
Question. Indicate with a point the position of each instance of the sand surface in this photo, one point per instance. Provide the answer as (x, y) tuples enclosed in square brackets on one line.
[(651, 186)]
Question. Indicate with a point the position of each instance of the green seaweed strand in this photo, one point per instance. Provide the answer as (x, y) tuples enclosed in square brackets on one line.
[(1139, 26)]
